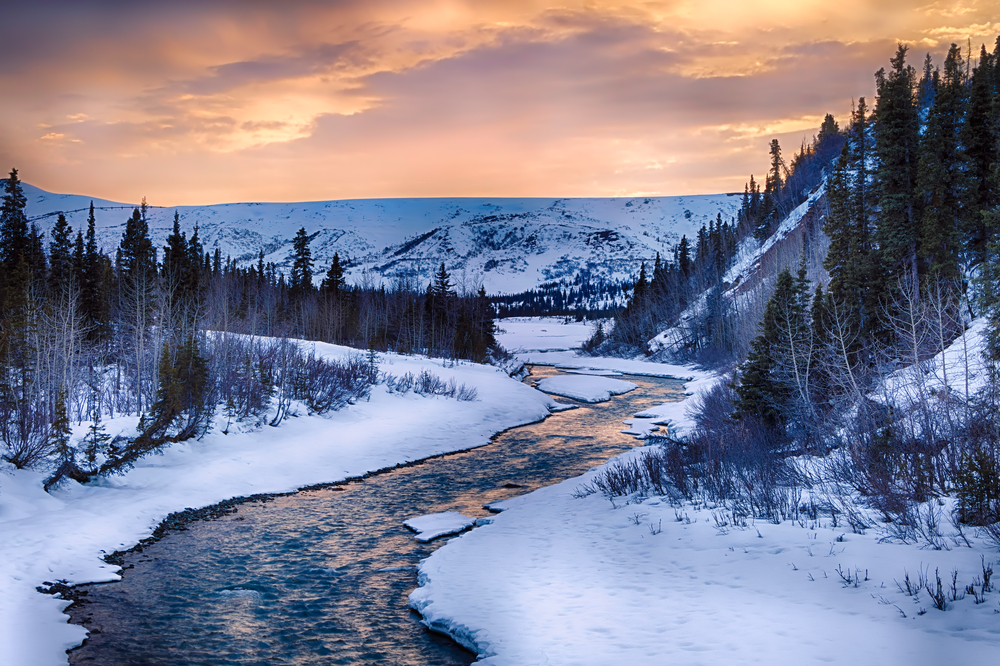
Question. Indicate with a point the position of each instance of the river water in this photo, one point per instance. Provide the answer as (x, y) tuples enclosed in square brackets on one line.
[(322, 576)]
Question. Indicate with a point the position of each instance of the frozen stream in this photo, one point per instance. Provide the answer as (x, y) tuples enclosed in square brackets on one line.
[(322, 576)]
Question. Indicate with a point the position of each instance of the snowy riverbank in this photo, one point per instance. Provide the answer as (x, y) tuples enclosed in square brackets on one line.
[(557, 578), (48, 537)]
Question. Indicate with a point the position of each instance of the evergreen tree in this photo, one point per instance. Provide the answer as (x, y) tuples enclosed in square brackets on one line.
[(96, 441), (828, 130), (778, 364), (684, 256), (37, 264), (981, 139), (772, 189), (334, 282), (61, 273), (137, 257), (442, 284), (942, 175), (896, 152), (300, 281), (183, 397), (14, 240), (60, 433)]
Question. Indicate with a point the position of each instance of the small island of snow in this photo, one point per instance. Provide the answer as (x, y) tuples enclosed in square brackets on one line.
[(435, 525), (585, 388)]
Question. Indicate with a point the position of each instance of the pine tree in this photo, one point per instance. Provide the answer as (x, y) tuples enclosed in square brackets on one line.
[(93, 277), (60, 432), (776, 372), (828, 130), (61, 273), (300, 281), (37, 263), (684, 257), (772, 190), (896, 152), (442, 284), (137, 261), (14, 239), (175, 256), (95, 442), (334, 282), (981, 138), (942, 176)]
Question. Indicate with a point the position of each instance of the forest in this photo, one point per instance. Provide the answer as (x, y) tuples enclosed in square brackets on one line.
[(178, 336), (838, 353)]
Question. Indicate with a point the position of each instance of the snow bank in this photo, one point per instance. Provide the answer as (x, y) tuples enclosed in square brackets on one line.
[(557, 579), (436, 525), (62, 535), (585, 388), (561, 579)]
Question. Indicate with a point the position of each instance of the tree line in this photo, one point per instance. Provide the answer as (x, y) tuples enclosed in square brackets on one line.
[(176, 335), (846, 364), (687, 291)]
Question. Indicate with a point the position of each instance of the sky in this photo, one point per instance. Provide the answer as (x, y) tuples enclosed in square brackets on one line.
[(210, 101)]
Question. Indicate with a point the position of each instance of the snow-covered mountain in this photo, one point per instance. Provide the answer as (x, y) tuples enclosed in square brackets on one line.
[(508, 245)]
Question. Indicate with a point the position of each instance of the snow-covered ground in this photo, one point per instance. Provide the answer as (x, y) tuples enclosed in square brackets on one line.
[(557, 578), (521, 335), (63, 535)]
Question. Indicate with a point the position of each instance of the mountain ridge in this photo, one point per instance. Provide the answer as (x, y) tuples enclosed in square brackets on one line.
[(506, 244)]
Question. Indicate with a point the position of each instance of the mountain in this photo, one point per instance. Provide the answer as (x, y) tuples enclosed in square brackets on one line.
[(509, 245)]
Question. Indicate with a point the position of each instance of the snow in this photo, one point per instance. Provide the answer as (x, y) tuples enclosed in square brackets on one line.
[(63, 535), (749, 252), (560, 580), (538, 334), (585, 388), (509, 245), (436, 525), (557, 578), (959, 368)]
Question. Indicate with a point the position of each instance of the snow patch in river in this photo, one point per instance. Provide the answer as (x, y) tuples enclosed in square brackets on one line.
[(436, 525), (585, 388)]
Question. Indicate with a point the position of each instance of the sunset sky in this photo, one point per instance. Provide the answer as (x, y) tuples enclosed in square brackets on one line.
[(206, 101)]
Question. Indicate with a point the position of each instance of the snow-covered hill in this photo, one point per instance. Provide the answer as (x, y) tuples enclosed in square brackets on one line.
[(508, 245)]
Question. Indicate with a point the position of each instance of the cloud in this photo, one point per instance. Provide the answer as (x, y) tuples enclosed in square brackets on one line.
[(225, 99)]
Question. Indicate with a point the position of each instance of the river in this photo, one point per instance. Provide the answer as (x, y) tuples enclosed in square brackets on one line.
[(322, 576)]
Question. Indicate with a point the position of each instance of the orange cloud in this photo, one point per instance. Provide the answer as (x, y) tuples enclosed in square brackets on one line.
[(197, 102)]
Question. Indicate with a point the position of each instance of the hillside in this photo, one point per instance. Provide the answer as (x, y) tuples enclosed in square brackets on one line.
[(510, 245)]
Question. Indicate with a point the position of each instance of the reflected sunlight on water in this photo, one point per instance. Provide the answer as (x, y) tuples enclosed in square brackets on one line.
[(322, 576)]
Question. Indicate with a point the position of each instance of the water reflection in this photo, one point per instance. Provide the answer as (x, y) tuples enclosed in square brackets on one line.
[(322, 576)]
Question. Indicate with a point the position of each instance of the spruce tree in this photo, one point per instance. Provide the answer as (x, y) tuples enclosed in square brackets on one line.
[(61, 263), (334, 282), (778, 364), (14, 240), (60, 432), (981, 139), (943, 176), (300, 281), (896, 152)]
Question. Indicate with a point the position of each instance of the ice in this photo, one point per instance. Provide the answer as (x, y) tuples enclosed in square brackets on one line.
[(436, 525), (585, 388)]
